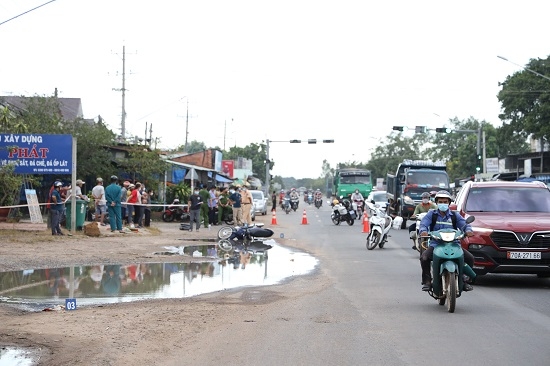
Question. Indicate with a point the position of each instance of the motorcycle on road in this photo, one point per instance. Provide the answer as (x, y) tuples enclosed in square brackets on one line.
[(380, 224), (342, 211), (448, 266)]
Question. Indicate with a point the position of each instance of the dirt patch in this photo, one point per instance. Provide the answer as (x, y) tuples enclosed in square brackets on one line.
[(145, 332)]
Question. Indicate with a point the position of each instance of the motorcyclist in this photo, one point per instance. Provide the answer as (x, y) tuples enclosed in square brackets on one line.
[(425, 206), (444, 220), (318, 195), (358, 198), (294, 196)]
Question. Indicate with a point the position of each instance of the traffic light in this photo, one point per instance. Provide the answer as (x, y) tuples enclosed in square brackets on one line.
[(443, 130), (295, 141), (478, 163), (328, 141), (420, 129), (398, 128), (311, 141)]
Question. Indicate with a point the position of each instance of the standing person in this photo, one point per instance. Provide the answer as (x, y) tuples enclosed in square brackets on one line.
[(130, 204), (123, 198), (98, 192), (273, 201), (212, 206), (78, 191), (137, 205), (235, 202), (56, 208), (195, 203), (147, 209), (246, 202), (112, 197), (144, 200), (223, 204), (204, 208)]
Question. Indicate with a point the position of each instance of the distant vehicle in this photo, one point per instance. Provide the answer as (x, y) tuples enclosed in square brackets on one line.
[(412, 178), (511, 228), (260, 202), (347, 180), (379, 198), (301, 190)]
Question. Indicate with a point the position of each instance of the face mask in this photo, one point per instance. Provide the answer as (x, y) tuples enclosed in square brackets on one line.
[(231, 191), (196, 192), (443, 206), (425, 200)]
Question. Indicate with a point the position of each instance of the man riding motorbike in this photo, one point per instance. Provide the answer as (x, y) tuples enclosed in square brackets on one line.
[(425, 206), (359, 200), (444, 220)]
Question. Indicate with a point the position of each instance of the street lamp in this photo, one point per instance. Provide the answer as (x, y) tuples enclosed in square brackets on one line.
[(268, 161), (525, 68)]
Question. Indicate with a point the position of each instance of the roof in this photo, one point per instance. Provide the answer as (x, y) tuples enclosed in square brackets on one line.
[(70, 108), (502, 183)]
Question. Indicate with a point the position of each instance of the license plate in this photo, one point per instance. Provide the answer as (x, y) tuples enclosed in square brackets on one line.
[(351, 212), (523, 255)]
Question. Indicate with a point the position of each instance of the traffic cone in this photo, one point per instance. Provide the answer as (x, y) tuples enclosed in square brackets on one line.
[(273, 218), (304, 218), (366, 223)]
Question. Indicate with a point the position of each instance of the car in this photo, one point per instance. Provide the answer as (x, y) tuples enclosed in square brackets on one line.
[(379, 198), (511, 227), (260, 201)]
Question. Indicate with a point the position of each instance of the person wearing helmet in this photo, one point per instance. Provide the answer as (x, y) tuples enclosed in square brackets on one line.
[(444, 220), (56, 208), (425, 206), (432, 195), (112, 198)]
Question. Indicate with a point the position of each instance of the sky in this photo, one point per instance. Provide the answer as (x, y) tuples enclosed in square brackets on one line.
[(251, 71)]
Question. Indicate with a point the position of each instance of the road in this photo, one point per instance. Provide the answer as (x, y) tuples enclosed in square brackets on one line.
[(366, 307)]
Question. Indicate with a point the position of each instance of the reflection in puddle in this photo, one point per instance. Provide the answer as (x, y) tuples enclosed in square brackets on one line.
[(10, 356), (212, 270)]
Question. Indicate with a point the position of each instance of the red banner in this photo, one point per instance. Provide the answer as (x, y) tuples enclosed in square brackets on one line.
[(227, 167)]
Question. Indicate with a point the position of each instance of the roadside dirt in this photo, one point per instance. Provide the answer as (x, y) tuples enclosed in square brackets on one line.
[(146, 332)]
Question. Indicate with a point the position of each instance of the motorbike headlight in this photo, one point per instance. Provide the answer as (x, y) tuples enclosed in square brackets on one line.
[(447, 236)]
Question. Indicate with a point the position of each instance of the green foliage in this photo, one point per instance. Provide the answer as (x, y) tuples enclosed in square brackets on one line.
[(255, 152), (144, 165), (180, 191), (525, 99), (10, 184)]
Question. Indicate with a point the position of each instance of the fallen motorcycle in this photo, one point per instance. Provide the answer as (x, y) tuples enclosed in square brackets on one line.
[(176, 211), (230, 236)]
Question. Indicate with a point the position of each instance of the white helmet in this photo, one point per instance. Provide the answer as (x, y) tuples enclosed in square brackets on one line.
[(443, 194)]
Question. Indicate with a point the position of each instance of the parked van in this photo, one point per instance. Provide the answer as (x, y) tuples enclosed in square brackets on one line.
[(260, 201)]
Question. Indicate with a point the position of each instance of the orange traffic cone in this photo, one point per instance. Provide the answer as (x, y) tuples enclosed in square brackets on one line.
[(304, 218), (366, 223), (273, 218)]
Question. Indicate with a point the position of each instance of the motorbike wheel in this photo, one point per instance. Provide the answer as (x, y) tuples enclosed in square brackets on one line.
[(373, 240), (225, 232), (350, 221), (336, 220), (167, 218), (451, 291), (229, 222), (225, 245)]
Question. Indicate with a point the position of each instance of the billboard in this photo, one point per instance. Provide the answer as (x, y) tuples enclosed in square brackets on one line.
[(36, 153), (227, 168)]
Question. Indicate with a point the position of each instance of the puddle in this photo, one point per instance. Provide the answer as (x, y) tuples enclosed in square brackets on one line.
[(212, 270), (11, 356)]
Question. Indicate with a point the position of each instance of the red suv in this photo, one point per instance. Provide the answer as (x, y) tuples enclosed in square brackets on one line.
[(512, 226)]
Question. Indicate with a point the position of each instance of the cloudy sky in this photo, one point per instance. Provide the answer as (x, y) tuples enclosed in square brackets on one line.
[(256, 70)]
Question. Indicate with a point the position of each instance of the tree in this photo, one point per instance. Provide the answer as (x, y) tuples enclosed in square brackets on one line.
[(525, 99), (145, 165), (255, 152)]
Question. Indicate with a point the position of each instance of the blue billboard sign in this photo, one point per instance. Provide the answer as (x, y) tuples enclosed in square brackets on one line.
[(37, 154)]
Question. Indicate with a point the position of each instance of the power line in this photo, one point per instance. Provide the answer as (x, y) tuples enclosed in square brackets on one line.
[(28, 11)]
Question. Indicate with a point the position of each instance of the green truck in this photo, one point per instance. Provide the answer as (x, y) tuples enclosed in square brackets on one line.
[(347, 180)]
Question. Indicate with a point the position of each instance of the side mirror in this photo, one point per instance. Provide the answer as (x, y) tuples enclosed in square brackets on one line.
[(470, 219), (372, 201)]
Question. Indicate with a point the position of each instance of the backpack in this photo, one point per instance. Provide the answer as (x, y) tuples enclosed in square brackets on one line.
[(434, 220)]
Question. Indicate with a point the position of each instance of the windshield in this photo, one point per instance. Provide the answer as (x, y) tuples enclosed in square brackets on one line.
[(256, 195), (364, 178), (508, 199), (379, 197), (428, 179)]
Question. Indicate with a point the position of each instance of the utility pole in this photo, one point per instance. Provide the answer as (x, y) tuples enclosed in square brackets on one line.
[(186, 125), (123, 90)]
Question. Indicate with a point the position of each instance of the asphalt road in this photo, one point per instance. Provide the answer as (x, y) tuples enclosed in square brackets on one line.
[(366, 307)]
